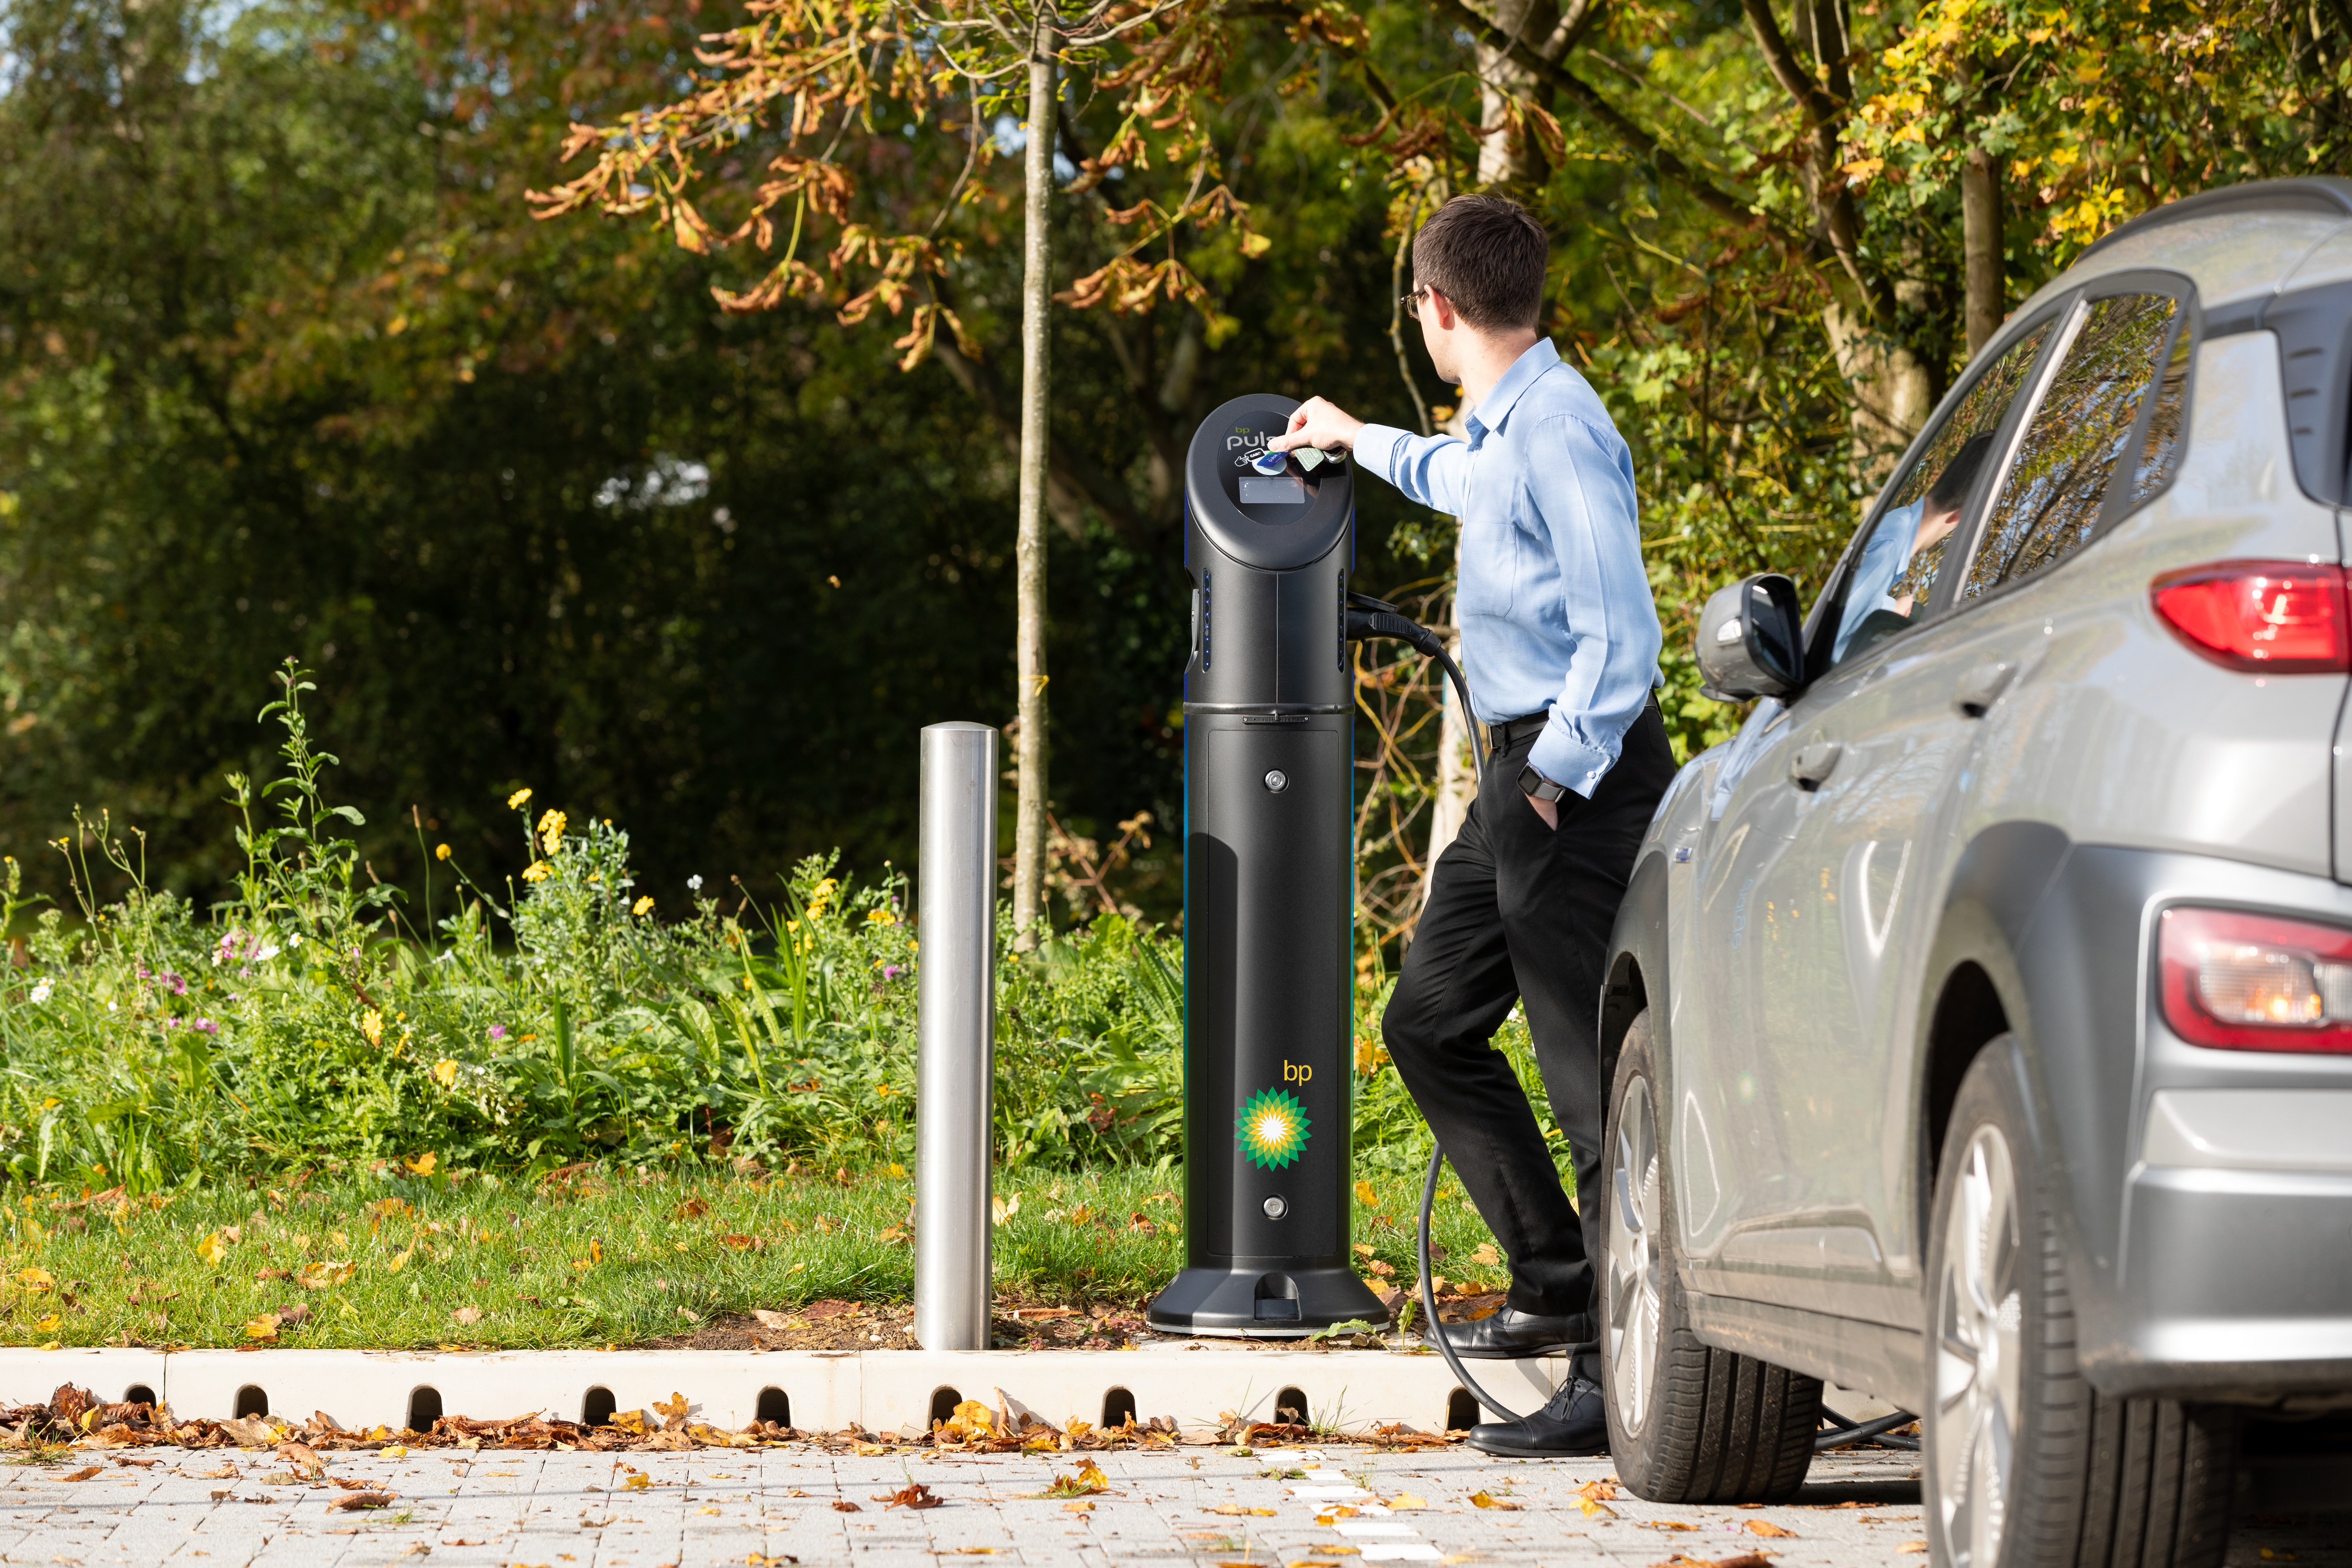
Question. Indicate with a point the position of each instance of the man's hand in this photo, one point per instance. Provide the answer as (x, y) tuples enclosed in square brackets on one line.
[(1318, 423), (1547, 809)]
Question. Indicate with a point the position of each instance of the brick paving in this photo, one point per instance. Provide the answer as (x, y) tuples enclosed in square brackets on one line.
[(770, 1507)]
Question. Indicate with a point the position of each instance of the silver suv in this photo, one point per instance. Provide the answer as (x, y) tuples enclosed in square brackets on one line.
[(1980, 1018)]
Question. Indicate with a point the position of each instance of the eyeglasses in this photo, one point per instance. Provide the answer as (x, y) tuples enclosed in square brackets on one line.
[(1411, 303)]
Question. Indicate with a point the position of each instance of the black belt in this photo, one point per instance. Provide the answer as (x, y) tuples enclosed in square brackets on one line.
[(1502, 737)]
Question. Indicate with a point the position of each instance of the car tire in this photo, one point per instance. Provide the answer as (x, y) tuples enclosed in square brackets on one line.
[(2024, 1464), (1687, 1423)]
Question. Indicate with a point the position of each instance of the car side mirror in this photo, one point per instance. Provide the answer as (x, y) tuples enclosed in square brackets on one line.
[(1751, 639)]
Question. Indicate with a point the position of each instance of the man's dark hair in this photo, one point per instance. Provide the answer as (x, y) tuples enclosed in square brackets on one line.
[(1952, 486), (1487, 255)]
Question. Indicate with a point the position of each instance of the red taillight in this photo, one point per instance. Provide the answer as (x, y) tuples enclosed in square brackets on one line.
[(2256, 982), (2280, 617)]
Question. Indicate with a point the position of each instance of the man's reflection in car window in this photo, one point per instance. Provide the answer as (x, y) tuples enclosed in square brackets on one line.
[(1897, 566)]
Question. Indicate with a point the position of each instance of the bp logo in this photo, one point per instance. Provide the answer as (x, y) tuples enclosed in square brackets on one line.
[(1273, 1127)]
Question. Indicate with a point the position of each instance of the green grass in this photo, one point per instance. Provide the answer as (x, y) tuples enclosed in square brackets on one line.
[(604, 1257)]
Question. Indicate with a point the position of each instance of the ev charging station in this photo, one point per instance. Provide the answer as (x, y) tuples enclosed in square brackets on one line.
[(1269, 887)]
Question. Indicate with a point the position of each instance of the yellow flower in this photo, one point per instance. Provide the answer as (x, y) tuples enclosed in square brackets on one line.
[(642, 906), (441, 852), (372, 1025), (881, 916), (537, 871), (551, 831), (518, 800), (445, 1070)]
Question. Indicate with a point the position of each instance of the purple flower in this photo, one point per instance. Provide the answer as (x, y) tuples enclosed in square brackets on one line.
[(206, 1024), (889, 972), (498, 1031), (173, 983)]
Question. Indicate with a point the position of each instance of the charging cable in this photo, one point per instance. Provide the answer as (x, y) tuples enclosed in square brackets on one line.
[(1367, 618)]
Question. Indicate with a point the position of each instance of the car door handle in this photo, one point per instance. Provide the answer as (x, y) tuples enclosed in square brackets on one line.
[(1813, 763), (1980, 688)]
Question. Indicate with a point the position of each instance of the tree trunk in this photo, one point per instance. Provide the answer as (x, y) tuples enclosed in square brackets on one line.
[(1029, 550), (1892, 392), (1512, 162), (1980, 246)]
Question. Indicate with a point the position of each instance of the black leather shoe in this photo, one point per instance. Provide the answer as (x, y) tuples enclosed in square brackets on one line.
[(1510, 1334), (1572, 1425)]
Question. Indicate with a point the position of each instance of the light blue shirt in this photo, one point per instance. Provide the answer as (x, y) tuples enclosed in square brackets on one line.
[(1553, 603), (1883, 556)]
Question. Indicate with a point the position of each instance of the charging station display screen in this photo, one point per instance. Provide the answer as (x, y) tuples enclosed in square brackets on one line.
[(1281, 490)]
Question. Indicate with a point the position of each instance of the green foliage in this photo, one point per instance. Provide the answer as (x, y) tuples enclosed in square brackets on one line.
[(307, 1021)]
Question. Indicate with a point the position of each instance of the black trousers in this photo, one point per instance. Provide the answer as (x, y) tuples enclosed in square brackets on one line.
[(1520, 912)]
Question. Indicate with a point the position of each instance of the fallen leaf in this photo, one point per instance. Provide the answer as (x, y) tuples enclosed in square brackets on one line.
[(36, 1279), (1235, 1508), (83, 1474), (1589, 1507), (1600, 1491), (466, 1315), (638, 1483), (227, 1472), (915, 1495), (1666, 1524), (740, 1243), (1913, 1546), (843, 1505), (1480, 1499), (1366, 1196), (1765, 1527), (350, 1500), (212, 1248), (264, 1327), (321, 1275), (1078, 1506), (1405, 1501)]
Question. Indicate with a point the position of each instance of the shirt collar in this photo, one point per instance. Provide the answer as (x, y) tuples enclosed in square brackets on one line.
[(1525, 371)]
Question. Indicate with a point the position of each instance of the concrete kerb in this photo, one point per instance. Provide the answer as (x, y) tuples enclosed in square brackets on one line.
[(883, 1391)]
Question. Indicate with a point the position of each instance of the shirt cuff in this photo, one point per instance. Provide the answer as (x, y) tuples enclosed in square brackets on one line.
[(1375, 448), (1561, 757)]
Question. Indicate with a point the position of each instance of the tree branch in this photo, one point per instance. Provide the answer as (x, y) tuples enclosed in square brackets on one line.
[(1708, 194), (1832, 198)]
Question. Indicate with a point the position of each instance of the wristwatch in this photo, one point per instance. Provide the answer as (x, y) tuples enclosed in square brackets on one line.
[(1535, 786)]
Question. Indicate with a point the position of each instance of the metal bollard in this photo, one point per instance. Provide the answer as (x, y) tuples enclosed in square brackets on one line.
[(956, 1038)]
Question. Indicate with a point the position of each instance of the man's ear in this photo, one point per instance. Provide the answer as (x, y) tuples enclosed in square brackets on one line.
[(1442, 309)]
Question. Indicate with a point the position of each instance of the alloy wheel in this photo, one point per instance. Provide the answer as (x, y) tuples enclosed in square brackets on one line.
[(1633, 1248), (1979, 1353)]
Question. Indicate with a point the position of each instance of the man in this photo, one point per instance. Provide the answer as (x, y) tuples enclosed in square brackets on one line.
[(1901, 553), (1561, 643)]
